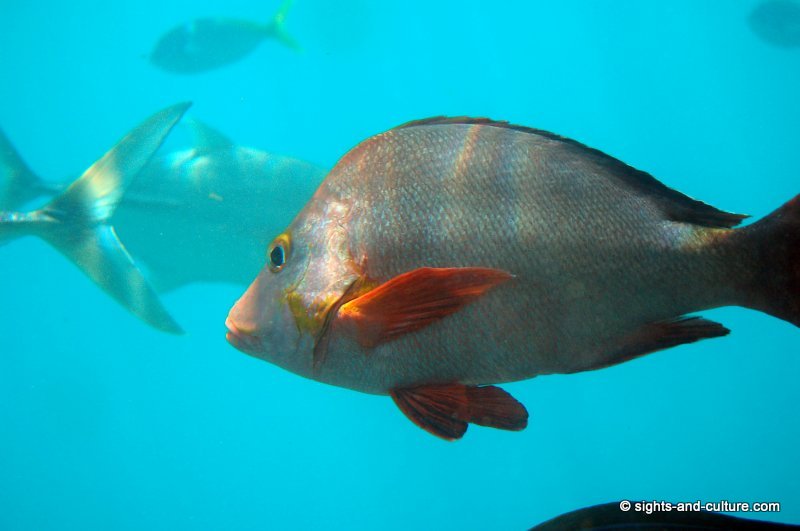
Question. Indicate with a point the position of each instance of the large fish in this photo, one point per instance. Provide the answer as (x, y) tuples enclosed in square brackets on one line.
[(777, 22), (188, 211), (191, 210), (78, 221), (209, 43), (609, 517), (450, 254)]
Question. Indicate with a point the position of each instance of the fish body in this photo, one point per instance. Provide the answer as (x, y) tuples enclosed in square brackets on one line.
[(450, 254), (190, 211), (76, 222), (184, 212), (206, 44), (210, 43), (777, 22)]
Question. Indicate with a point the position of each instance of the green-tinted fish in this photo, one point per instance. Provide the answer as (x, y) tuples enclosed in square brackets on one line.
[(609, 517), (450, 254), (76, 222), (188, 211), (209, 43)]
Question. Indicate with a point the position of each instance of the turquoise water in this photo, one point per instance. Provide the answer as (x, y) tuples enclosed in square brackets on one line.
[(108, 424)]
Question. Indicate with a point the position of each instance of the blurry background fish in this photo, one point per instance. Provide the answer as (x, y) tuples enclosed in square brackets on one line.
[(209, 43), (204, 213), (79, 221), (777, 22)]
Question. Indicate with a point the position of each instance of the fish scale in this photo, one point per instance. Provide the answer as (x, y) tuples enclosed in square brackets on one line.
[(576, 228), (464, 253)]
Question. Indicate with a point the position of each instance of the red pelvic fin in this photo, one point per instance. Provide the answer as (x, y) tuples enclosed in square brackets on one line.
[(416, 299), (446, 410)]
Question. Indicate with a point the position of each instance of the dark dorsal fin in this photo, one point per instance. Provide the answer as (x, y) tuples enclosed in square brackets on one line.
[(675, 205)]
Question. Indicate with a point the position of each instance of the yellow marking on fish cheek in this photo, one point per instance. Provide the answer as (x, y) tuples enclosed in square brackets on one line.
[(310, 315), (302, 321), (309, 319)]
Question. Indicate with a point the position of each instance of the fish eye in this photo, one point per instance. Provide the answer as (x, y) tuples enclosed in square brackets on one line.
[(277, 257), (278, 253)]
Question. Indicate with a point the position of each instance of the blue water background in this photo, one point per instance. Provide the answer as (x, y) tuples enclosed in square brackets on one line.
[(108, 424)]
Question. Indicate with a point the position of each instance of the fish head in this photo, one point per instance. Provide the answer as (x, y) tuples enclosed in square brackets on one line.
[(309, 269)]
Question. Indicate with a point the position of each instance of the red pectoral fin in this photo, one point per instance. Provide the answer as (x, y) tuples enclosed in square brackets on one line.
[(416, 299), (446, 410)]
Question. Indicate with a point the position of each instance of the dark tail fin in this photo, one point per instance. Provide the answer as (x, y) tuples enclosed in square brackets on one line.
[(76, 222), (775, 246), (18, 184)]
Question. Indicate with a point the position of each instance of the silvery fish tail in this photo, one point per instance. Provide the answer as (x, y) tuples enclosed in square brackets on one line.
[(76, 221), (191, 208)]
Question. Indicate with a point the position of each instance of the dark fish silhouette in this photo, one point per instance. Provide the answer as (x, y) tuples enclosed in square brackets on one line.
[(189, 211), (77, 222), (777, 22), (449, 254), (609, 517), (209, 43)]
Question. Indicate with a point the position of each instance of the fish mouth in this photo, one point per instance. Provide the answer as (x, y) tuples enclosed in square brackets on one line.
[(240, 340)]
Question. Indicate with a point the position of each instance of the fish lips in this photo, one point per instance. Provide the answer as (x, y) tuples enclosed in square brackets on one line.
[(247, 343)]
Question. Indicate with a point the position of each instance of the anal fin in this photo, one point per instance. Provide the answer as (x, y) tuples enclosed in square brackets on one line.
[(446, 410), (659, 336)]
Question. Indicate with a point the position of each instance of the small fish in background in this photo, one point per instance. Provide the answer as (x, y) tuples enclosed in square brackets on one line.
[(609, 517), (188, 210), (208, 43), (77, 222), (777, 22), (451, 254)]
